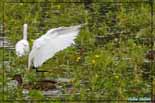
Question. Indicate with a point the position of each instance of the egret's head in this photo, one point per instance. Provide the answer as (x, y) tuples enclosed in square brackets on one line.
[(25, 25)]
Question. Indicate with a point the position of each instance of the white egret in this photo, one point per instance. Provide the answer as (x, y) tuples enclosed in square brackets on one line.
[(50, 43), (22, 46)]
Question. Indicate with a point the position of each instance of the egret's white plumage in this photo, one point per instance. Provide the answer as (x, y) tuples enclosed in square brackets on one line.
[(22, 46), (52, 42)]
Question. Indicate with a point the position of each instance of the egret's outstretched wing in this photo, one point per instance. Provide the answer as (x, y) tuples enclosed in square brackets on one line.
[(63, 31), (53, 41)]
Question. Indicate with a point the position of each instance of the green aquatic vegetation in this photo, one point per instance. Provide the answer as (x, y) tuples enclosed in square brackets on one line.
[(108, 70)]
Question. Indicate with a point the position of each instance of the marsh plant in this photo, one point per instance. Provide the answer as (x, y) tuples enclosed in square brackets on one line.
[(114, 66)]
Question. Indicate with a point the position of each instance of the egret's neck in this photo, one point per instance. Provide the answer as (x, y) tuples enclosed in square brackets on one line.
[(25, 32)]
